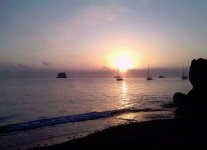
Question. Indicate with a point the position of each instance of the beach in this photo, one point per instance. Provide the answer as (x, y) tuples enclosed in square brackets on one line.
[(156, 134)]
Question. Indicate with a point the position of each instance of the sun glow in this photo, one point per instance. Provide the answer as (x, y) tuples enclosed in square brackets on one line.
[(123, 60), (123, 63)]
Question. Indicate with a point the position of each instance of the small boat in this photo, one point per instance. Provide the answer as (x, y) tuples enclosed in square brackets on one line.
[(148, 76), (161, 76), (184, 77), (118, 77)]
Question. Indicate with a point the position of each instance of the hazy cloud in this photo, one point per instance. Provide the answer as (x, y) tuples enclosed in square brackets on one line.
[(99, 14), (46, 63), (20, 70)]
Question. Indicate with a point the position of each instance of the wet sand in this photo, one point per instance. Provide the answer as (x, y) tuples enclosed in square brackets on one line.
[(157, 134)]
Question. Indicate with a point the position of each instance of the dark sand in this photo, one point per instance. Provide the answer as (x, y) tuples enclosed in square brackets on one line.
[(158, 134)]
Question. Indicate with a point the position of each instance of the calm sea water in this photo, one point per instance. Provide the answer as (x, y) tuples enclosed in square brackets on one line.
[(47, 111)]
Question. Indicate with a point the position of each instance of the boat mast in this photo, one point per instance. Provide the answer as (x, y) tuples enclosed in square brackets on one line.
[(117, 71), (183, 72), (148, 71)]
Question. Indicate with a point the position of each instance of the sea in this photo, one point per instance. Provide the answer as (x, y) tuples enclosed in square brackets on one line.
[(41, 112)]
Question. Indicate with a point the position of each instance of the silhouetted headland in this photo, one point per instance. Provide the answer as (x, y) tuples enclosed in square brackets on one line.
[(195, 102), (62, 75)]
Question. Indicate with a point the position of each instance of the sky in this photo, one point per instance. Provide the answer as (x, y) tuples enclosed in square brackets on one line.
[(90, 34)]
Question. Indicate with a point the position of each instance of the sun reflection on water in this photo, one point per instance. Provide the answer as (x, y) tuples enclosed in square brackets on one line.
[(124, 98), (127, 117)]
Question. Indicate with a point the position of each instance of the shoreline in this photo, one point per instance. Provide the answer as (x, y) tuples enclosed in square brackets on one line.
[(155, 134), (58, 133)]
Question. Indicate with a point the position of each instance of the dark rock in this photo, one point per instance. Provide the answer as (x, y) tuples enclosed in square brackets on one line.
[(195, 102), (62, 75), (179, 99), (198, 73)]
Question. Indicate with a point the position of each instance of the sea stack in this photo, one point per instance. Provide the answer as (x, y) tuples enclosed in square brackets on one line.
[(62, 75), (195, 102)]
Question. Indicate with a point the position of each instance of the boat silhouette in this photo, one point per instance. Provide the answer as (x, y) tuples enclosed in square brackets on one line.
[(118, 77), (148, 74), (161, 76), (184, 77)]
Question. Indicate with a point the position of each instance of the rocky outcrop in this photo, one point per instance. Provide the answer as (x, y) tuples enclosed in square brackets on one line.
[(62, 75), (195, 102)]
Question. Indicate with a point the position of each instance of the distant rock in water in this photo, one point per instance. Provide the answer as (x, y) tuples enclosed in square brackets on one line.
[(62, 75), (195, 102)]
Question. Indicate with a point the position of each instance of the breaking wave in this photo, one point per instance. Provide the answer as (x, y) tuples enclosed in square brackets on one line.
[(67, 119)]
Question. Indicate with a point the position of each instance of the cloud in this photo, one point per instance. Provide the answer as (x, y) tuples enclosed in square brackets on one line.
[(46, 63), (20, 70), (21, 66), (98, 14)]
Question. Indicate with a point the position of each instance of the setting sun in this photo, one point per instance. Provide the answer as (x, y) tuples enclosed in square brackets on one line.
[(123, 59), (123, 63)]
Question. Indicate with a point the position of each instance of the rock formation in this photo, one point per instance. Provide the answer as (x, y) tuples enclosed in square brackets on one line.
[(195, 102), (62, 75)]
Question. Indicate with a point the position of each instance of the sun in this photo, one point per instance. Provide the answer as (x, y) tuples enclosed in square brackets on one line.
[(123, 63), (123, 59)]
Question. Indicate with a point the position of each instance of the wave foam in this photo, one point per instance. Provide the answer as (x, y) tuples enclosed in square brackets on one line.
[(66, 119)]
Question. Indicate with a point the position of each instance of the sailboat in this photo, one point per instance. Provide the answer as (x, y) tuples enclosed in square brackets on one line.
[(184, 77), (148, 76), (161, 76), (118, 77)]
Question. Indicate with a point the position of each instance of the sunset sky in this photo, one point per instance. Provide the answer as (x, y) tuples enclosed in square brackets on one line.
[(90, 34)]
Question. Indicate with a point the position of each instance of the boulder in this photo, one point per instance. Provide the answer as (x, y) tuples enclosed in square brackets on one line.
[(198, 73), (195, 102)]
